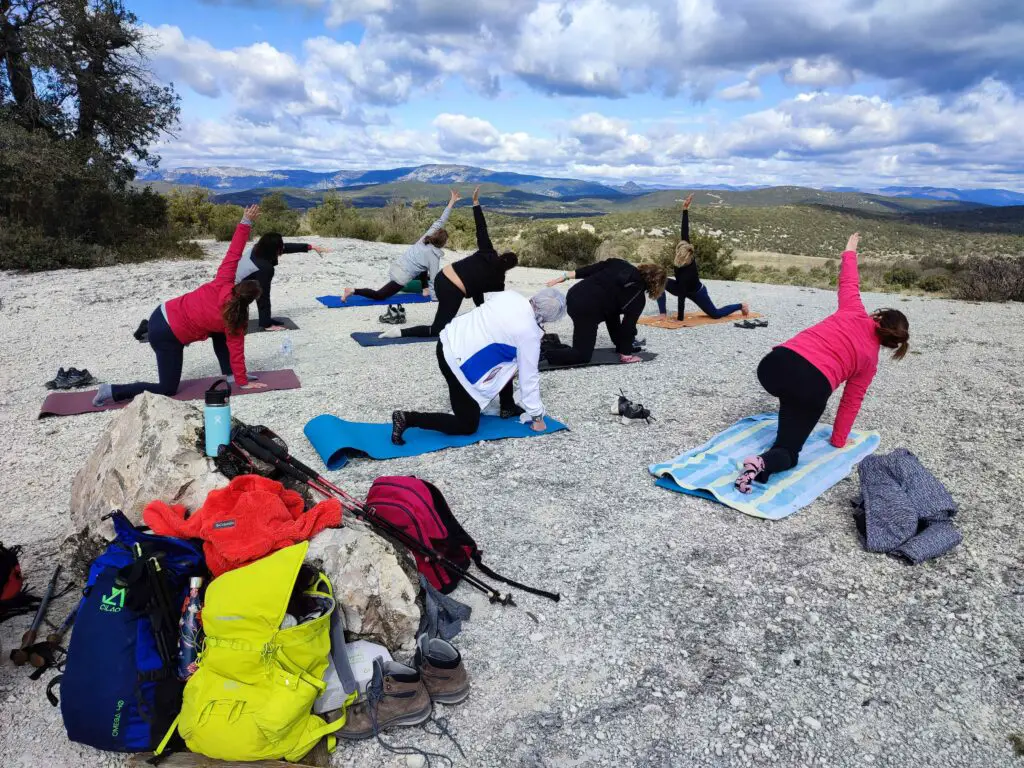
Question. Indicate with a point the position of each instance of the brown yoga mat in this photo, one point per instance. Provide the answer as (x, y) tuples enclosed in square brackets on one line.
[(254, 327), (74, 403), (693, 320)]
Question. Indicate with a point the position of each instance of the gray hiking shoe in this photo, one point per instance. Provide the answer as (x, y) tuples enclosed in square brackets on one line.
[(395, 696)]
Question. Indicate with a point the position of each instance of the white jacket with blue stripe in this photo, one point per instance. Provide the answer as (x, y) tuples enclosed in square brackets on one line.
[(486, 347)]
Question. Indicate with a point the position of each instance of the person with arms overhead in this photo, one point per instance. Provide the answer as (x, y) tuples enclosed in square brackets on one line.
[(480, 353), (686, 283), (609, 292), (805, 371), (422, 257), (219, 308), (477, 274)]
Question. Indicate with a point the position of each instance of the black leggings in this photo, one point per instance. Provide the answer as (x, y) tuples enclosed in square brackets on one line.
[(584, 332), (170, 354), (449, 299), (803, 393), (390, 289), (465, 419)]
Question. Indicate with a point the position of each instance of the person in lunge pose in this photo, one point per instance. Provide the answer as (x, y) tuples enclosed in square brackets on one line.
[(686, 282), (480, 353), (422, 257), (477, 274), (218, 310), (609, 292), (805, 371), (259, 263)]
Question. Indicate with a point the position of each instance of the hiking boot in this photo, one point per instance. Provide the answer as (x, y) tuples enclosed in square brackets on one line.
[(440, 665), (395, 696), (394, 316), (59, 381), (629, 411), (77, 379), (639, 344)]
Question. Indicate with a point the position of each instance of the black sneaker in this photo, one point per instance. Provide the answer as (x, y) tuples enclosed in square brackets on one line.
[(142, 332), (77, 379), (514, 412), (59, 381), (394, 316), (629, 411), (639, 344)]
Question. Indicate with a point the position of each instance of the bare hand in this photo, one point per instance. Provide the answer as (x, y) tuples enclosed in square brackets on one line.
[(687, 201), (476, 195), (320, 250), (254, 385), (629, 359), (555, 281), (538, 425), (853, 242), (252, 213), (454, 198)]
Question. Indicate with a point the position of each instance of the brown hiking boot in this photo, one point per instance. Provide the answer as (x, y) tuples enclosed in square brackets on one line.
[(395, 696), (440, 665)]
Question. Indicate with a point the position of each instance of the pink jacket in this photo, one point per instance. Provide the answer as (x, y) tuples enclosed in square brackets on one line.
[(844, 347), (194, 316)]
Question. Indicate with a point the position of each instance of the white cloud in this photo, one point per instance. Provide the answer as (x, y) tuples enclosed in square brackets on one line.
[(745, 91), (821, 72)]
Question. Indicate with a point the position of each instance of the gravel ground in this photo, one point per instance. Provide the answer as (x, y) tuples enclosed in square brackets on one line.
[(689, 634)]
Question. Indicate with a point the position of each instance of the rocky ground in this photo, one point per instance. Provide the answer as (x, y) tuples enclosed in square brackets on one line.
[(688, 634)]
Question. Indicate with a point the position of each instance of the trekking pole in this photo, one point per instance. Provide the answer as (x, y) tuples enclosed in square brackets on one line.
[(43, 654), (324, 487), (21, 655)]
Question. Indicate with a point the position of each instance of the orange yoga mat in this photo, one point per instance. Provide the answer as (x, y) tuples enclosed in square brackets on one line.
[(693, 320)]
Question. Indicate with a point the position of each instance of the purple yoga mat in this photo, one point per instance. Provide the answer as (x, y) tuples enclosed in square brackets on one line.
[(74, 403)]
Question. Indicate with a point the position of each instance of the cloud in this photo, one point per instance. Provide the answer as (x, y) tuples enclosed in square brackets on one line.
[(457, 134), (745, 91), (821, 72)]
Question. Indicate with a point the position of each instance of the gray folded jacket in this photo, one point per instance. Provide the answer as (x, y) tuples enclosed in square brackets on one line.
[(903, 509)]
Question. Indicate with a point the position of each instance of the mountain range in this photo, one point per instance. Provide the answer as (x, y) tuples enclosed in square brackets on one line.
[(226, 181)]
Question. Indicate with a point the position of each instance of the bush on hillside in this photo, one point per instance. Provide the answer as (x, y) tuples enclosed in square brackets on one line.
[(566, 250), (223, 221), (400, 222), (190, 210), (276, 216), (335, 217), (999, 279), (901, 277), (714, 256), (934, 283)]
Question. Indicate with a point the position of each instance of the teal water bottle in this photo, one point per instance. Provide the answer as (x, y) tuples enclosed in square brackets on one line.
[(217, 416)]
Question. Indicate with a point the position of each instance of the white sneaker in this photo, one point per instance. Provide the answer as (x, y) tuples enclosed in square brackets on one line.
[(391, 333)]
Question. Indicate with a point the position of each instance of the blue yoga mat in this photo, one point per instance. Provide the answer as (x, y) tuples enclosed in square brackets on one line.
[(373, 339), (709, 471), (335, 302), (337, 440)]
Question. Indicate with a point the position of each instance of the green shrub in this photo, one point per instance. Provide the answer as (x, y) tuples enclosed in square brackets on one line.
[(901, 277), (223, 221), (934, 283), (400, 222), (276, 216), (714, 256), (568, 250), (190, 209), (999, 279)]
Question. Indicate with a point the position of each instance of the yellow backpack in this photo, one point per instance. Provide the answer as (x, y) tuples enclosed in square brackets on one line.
[(252, 696)]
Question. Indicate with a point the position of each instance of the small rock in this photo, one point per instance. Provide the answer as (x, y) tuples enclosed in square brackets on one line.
[(415, 761), (811, 723), (536, 637)]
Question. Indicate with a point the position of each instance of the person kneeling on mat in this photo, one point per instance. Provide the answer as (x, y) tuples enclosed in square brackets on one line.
[(610, 292), (477, 274), (423, 256), (805, 371), (686, 283), (480, 353), (218, 310), (259, 265)]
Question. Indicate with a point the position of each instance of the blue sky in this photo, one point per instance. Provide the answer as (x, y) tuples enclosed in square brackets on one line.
[(822, 92)]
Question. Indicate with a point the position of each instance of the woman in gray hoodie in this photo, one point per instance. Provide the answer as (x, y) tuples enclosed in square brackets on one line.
[(422, 257)]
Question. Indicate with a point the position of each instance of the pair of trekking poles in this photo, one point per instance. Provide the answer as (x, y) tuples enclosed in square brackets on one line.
[(248, 440)]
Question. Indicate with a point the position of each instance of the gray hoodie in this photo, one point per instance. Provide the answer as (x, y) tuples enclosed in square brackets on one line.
[(420, 257)]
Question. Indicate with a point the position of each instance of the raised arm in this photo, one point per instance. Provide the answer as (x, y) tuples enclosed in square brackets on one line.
[(849, 278), (297, 248), (452, 200), (684, 227), (849, 406), (228, 267)]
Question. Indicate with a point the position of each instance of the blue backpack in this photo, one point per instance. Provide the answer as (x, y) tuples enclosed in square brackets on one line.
[(119, 690)]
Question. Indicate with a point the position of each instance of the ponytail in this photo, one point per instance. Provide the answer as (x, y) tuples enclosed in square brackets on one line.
[(893, 331), (235, 311)]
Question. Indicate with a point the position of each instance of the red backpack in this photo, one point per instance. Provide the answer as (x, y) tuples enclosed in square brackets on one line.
[(421, 512)]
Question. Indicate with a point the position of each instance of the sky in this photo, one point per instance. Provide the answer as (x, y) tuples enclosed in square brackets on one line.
[(864, 93)]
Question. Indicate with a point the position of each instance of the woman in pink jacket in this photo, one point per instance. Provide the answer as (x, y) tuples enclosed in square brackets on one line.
[(805, 371), (217, 307)]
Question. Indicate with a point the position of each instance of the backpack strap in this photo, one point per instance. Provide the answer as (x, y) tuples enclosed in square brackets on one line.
[(477, 558), (167, 737), (327, 730)]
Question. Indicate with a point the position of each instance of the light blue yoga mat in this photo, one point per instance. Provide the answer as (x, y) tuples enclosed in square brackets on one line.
[(337, 440), (335, 302), (709, 471), (373, 339)]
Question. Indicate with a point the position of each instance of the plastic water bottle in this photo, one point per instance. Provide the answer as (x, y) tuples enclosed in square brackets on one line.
[(287, 348), (217, 416), (190, 630)]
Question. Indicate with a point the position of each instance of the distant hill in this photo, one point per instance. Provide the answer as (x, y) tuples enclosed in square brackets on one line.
[(980, 196)]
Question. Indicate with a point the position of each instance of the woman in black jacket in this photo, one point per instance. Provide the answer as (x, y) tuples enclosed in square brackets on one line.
[(259, 265), (481, 272), (610, 292), (687, 284)]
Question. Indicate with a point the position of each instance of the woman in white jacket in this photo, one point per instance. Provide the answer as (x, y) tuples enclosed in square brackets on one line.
[(421, 258), (480, 353)]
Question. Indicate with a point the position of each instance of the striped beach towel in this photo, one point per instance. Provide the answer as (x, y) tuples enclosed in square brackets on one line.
[(709, 471)]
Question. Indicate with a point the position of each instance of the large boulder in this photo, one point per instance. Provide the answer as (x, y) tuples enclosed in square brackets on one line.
[(149, 451), (374, 584)]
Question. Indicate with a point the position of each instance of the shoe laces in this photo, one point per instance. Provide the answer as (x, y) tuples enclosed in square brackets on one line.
[(374, 694), (632, 410)]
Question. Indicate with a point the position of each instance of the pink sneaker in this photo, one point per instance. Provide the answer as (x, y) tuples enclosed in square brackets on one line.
[(752, 467)]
